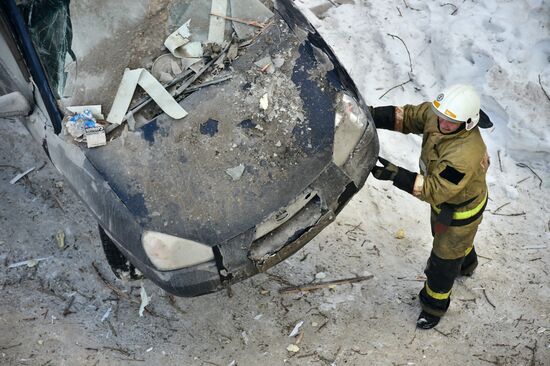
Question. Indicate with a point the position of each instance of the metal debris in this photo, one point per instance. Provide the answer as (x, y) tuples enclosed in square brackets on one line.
[(130, 80), (179, 38), (166, 66), (21, 175), (216, 31), (296, 329)]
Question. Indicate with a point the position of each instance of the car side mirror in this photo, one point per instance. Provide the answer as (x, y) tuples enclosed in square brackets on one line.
[(14, 105)]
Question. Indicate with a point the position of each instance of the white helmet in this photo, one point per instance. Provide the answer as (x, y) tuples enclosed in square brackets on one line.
[(458, 103)]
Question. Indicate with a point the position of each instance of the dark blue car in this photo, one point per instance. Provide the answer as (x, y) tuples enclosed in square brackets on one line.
[(276, 140)]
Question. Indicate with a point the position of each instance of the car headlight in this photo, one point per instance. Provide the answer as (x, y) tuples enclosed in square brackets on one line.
[(349, 124), (169, 252)]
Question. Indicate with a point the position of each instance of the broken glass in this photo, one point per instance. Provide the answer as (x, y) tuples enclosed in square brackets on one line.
[(50, 27)]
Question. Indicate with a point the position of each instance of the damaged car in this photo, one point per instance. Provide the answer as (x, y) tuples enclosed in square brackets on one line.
[(234, 135)]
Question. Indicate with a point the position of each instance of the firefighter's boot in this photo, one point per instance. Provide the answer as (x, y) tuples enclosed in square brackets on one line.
[(427, 320)]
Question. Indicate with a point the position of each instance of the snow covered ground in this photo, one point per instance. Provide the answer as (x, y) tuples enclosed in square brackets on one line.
[(499, 316)]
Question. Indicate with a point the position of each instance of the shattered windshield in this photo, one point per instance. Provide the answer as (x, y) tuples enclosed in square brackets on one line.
[(49, 23), (86, 45)]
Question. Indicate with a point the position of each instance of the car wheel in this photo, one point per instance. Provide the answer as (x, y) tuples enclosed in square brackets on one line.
[(121, 266)]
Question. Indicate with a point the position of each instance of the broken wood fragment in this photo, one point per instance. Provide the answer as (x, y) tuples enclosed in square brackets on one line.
[(244, 21), (487, 298), (316, 286)]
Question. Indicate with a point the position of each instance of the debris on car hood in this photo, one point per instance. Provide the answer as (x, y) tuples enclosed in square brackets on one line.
[(209, 36), (84, 127), (21, 175), (130, 80)]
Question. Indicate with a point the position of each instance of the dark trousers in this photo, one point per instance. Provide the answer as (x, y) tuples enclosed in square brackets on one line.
[(452, 254)]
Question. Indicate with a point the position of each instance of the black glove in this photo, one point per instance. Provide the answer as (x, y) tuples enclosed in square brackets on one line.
[(386, 172), (384, 117), (401, 177)]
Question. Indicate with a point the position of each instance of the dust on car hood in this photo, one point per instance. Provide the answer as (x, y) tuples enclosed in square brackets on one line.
[(175, 176)]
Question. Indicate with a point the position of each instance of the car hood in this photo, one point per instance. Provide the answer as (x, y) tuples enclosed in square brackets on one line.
[(174, 176)]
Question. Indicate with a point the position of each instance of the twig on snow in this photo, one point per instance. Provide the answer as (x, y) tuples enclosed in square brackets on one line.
[(499, 161), (504, 205), (440, 332), (404, 44), (512, 214), (533, 352), (489, 259), (453, 5), (521, 181), (487, 298), (399, 11), (353, 229), (486, 360), (409, 7), (316, 286), (397, 86), (523, 165), (12, 346), (112, 328), (545, 93), (119, 350)]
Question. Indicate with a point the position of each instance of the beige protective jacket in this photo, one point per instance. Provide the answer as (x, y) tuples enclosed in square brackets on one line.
[(452, 166)]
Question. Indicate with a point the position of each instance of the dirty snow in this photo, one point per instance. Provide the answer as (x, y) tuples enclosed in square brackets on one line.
[(499, 316)]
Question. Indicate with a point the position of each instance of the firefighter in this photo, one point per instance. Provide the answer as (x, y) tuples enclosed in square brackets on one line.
[(453, 165)]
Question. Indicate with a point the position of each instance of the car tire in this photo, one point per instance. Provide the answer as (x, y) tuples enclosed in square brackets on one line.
[(120, 265)]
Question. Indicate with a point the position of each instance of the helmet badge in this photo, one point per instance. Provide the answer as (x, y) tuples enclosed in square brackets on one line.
[(440, 97)]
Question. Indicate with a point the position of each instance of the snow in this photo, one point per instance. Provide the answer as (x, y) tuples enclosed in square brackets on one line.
[(499, 47)]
